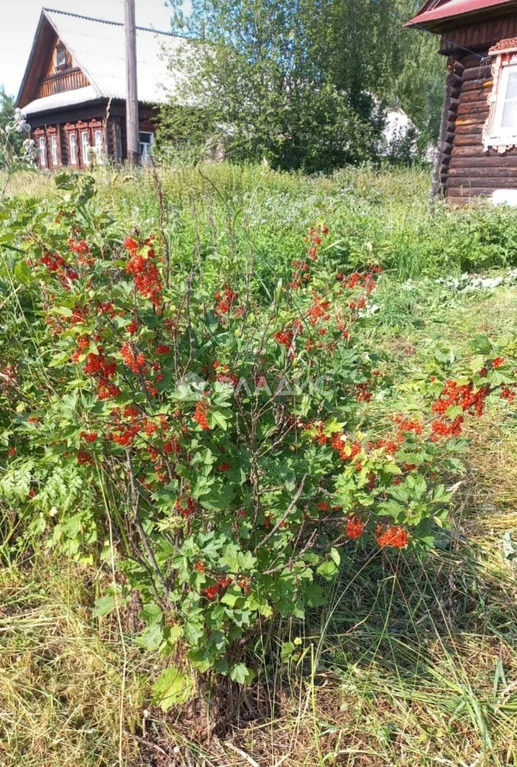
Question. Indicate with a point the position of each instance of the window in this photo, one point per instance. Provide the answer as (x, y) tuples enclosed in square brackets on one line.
[(60, 57), (146, 139), (73, 148), (85, 146), (98, 143), (505, 121), (54, 150), (42, 152), (500, 129)]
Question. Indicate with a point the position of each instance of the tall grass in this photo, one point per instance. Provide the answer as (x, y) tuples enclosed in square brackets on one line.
[(385, 211)]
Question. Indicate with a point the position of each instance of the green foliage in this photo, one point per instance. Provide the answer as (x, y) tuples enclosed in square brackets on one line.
[(16, 147), (217, 418), (297, 85)]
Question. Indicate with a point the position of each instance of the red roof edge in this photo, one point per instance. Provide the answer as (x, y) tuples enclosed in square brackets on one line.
[(432, 15)]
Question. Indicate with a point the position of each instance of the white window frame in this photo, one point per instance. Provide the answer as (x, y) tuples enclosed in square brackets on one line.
[(144, 153), (99, 142), (504, 63), (498, 131), (85, 146), (72, 143), (54, 150), (42, 143)]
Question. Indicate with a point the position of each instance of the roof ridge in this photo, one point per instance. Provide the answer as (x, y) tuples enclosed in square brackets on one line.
[(106, 21)]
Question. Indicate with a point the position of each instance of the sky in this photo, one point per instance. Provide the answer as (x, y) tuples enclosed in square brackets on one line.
[(19, 19)]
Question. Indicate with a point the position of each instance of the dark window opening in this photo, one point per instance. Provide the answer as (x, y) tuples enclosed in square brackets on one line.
[(60, 57)]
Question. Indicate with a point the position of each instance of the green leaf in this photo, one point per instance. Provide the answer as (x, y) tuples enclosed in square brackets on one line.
[(481, 344), (172, 688), (64, 311), (22, 273), (241, 674), (314, 595), (230, 598), (152, 638), (327, 570), (286, 651), (103, 606)]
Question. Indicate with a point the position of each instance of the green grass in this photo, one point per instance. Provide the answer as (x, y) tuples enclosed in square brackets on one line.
[(413, 663), (216, 207)]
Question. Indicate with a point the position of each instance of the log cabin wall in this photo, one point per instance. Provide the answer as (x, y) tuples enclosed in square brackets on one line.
[(468, 169), (464, 169)]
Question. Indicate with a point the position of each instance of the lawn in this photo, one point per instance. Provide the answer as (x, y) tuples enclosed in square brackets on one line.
[(413, 659)]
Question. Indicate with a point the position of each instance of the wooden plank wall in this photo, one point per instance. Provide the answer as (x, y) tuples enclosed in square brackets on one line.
[(471, 170)]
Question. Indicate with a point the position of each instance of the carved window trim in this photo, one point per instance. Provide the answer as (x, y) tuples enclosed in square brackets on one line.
[(504, 59)]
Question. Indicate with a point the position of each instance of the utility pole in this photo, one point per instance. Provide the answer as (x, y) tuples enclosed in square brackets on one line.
[(131, 81)]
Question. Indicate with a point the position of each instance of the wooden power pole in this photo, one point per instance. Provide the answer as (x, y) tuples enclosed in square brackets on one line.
[(131, 80)]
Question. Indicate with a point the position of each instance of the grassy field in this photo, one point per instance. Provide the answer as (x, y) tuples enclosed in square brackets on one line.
[(219, 207), (412, 662)]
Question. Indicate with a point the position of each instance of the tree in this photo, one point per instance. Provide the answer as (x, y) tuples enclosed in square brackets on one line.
[(17, 149), (298, 83)]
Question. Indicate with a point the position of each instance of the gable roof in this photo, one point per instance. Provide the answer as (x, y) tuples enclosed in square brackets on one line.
[(435, 14), (98, 49)]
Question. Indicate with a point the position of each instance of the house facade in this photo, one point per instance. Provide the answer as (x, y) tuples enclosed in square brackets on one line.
[(74, 88), (477, 149)]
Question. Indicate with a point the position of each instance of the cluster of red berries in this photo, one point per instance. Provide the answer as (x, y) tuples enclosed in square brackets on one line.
[(57, 265), (362, 392), (346, 449), (133, 359), (101, 369), (314, 240), (507, 394), (82, 250), (89, 436), (407, 425), (454, 395), (212, 591), (364, 280), (224, 374), (83, 457), (301, 266), (319, 310), (354, 527), (144, 270), (64, 214), (393, 535), (201, 415), (225, 300), (284, 337)]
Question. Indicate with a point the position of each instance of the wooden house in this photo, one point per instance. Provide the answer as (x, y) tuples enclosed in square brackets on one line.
[(477, 150), (74, 88)]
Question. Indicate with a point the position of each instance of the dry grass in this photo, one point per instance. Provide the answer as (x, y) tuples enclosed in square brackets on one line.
[(60, 683)]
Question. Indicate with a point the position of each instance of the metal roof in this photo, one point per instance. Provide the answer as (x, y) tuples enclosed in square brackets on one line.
[(60, 100), (434, 12), (98, 48)]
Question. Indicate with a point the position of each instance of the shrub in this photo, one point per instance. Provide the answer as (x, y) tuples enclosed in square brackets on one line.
[(222, 440)]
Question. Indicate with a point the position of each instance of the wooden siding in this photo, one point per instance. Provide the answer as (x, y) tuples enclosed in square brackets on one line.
[(67, 80), (478, 36), (471, 171)]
